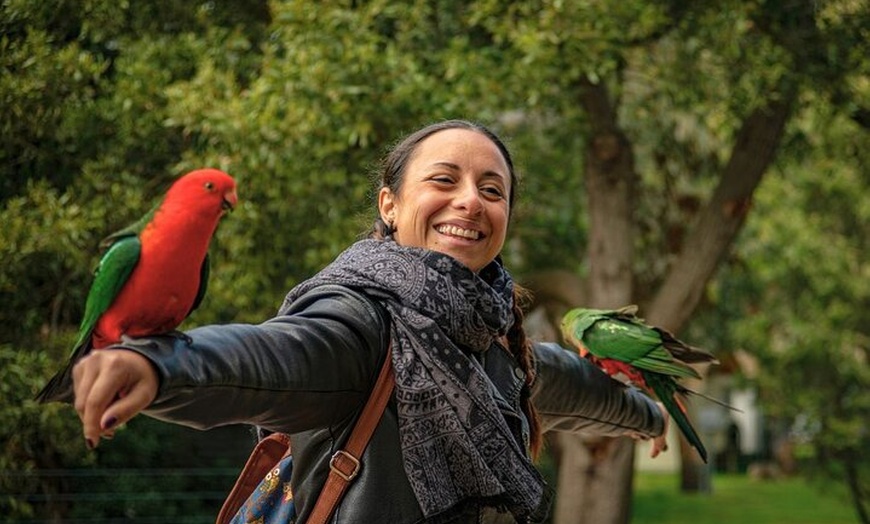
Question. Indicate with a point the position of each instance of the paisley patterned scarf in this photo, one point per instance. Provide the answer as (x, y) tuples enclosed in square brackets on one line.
[(458, 451)]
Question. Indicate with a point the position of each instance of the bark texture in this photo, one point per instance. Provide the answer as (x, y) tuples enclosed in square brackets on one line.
[(595, 475)]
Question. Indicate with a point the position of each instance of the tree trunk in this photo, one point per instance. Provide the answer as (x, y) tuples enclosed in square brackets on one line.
[(711, 240), (595, 479), (595, 475)]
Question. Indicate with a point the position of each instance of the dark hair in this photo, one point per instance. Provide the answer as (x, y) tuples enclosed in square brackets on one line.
[(392, 175), (392, 168)]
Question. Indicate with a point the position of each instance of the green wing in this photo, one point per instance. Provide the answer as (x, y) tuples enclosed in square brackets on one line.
[(132, 230), (633, 343), (122, 253), (578, 320), (112, 273)]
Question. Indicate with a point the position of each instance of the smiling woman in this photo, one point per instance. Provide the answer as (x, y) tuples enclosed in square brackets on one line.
[(426, 295), (453, 199)]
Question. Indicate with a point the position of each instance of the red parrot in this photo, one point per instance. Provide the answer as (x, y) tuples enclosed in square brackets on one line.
[(154, 273)]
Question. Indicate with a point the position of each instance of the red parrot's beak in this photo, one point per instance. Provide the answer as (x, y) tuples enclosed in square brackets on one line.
[(230, 200)]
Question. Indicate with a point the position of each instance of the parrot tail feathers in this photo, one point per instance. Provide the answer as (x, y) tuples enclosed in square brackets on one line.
[(686, 391), (58, 389), (668, 392), (679, 415)]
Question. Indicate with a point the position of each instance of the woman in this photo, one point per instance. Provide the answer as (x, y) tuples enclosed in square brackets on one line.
[(472, 395)]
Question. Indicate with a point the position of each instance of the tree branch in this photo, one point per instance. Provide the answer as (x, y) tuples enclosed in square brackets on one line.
[(722, 219)]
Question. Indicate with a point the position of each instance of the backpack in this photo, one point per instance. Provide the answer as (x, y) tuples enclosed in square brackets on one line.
[(262, 492)]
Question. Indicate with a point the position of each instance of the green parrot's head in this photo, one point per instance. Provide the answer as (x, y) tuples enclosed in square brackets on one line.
[(568, 321), (574, 324)]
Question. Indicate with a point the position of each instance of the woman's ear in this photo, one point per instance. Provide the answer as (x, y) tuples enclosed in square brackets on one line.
[(387, 205)]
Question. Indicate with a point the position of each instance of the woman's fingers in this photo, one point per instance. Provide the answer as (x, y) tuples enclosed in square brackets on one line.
[(85, 374), (660, 443), (111, 387), (130, 401)]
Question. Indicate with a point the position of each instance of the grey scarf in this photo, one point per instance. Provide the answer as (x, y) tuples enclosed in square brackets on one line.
[(458, 452)]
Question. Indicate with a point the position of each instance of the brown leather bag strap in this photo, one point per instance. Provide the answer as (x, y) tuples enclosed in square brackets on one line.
[(345, 463)]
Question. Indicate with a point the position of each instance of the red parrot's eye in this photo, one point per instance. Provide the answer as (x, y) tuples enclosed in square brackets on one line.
[(209, 186)]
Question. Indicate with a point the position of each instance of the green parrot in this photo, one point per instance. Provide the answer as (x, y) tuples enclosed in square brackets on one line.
[(649, 357)]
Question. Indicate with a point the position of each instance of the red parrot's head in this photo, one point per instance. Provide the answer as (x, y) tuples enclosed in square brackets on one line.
[(209, 191)]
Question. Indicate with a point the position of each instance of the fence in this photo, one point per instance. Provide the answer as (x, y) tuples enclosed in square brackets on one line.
[(109, 496)]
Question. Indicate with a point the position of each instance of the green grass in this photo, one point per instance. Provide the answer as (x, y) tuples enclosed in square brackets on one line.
[(737, 498)]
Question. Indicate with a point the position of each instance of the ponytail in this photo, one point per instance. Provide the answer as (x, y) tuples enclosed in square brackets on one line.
[(521, 349)]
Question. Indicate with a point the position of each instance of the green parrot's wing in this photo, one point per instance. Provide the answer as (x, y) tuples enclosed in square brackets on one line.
[(132, 230), (684, 352), (203, 283), (111, 275), (583, 323), (636, 344), (581, 319)]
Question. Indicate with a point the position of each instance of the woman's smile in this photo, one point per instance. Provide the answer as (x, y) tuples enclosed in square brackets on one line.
[(457, 231), (454, 198)]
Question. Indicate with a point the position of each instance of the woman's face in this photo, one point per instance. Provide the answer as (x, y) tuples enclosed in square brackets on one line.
[(453, 198)]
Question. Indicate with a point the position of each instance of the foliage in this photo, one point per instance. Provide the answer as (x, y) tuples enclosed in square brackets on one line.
[(34, 437), (106, 102), (44, 461), (805, 249)]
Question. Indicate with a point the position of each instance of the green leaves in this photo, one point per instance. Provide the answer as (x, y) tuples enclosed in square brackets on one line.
[(798, 297), (106, 102)]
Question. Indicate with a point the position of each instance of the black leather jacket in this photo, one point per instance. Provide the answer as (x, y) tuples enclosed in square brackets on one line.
[(308, 372)]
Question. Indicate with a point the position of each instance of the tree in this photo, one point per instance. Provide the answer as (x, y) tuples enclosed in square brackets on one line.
[(758, 58), (85, 149), (643, 128), (796, 287)]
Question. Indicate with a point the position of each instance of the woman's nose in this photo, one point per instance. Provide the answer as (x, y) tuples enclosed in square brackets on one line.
[(469, 199)]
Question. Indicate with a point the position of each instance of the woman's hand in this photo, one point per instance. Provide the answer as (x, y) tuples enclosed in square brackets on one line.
[(660, 443), (111, 386)]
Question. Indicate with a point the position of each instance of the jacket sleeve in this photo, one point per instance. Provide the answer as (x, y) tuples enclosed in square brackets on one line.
[(571, 394), (310, 366)]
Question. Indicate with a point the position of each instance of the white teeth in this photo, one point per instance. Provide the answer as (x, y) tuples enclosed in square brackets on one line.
[(459, 232)]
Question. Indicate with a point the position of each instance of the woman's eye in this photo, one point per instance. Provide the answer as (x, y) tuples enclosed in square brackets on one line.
[(493, 191)]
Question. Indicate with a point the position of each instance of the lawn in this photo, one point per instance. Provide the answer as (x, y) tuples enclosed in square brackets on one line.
[(737, 498)]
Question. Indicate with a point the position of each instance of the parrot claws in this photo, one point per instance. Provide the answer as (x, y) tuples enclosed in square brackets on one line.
[(183, 336), (177, 334)]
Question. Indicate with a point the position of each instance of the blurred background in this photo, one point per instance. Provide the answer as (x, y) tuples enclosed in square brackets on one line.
[(707, 161)]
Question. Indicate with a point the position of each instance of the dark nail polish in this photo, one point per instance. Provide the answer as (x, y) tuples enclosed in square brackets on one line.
[(89, 443), (110, 423)]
